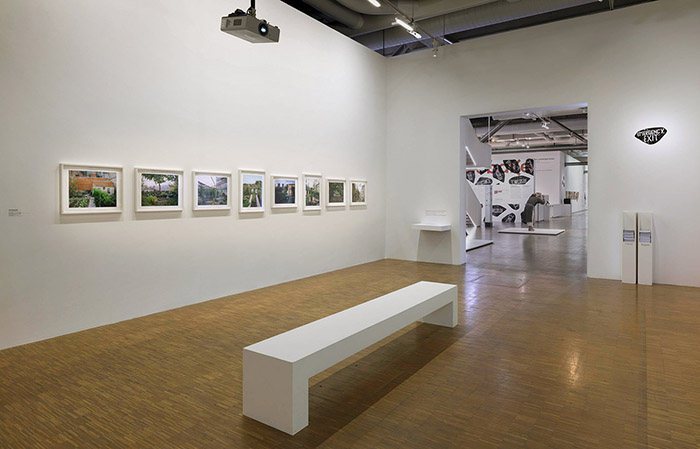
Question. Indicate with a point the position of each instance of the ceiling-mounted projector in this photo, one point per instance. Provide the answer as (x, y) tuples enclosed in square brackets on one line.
[(245, 25)]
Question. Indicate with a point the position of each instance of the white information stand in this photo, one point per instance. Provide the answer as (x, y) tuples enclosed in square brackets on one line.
[(644, 248), (629, 247)]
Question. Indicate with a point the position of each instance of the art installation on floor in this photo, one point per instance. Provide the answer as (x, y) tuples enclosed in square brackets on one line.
[(476, 243), (535, 232)]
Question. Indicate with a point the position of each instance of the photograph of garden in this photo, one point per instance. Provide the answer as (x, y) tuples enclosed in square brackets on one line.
[(358, 192), (285, 191), (92, 189), (160, 189), (313, 191), (336, 192), (252, 190), (212, 190)]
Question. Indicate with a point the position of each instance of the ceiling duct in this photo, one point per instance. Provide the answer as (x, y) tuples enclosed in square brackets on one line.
[(347, 17), (468, 19)]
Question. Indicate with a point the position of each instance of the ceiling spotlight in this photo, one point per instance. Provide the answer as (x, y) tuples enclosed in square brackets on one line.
[(408, 27), (375, 3), (400, 22)]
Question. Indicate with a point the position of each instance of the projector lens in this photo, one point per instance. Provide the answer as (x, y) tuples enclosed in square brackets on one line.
[(262, 28)]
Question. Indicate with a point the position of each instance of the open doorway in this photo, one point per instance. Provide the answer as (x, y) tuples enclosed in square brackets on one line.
[(537, 150)]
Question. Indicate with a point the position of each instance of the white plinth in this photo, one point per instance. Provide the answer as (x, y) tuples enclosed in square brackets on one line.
[(645, 248), (276, 371), (629, 247), (431, 227), (561, 210), (535, 232)]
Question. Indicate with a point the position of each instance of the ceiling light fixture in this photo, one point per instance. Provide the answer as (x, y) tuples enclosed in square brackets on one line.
[(408, 27), (375, 3), (400, 22)]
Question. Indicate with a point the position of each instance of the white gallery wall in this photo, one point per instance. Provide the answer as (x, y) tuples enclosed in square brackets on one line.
[(636, 67), (155, 84)]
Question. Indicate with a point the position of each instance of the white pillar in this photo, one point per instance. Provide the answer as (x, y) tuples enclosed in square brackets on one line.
[(629, 247), (645, 248)]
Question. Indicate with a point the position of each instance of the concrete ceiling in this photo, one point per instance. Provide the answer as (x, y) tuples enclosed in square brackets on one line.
[(441, 22), (564, 129)]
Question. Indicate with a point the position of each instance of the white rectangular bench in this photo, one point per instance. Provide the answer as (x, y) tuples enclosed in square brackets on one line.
[(276, 371)]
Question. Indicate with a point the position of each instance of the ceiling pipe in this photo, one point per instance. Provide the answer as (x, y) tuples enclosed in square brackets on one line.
[(340, 13), (566, 128), (535, 127), (493, 131), (541, 149), (468, 19), (364, 7)]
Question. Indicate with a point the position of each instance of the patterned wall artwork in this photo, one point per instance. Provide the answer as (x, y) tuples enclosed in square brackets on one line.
[(513, 182)]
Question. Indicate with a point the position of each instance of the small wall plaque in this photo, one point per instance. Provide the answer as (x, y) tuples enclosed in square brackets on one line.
[(651, 136)]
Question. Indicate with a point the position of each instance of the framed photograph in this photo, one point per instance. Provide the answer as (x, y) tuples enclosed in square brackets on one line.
[(90, 189), (358, 192), (336, 191), (158, 190), (284, 191), (312, 191), (252, 190), (212, 190)]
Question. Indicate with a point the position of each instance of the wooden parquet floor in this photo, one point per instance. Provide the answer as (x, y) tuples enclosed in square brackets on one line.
[(542, 358)]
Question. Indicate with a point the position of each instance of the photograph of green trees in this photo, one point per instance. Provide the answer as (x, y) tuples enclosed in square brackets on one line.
[(358, 193), (212, 190), (285, 191), (92, 189), (159, 189), (252, 191), (336, 192), (313, 191)]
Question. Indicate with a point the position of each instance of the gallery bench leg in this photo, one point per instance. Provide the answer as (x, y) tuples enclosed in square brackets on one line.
[(445, 315), (275, 393)]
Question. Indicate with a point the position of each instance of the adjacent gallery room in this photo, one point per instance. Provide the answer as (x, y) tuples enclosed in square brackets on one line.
[(349, 223)]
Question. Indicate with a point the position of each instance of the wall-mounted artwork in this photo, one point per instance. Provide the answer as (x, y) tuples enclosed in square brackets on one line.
[(90, 189), (284, 191), (212, 191), (358, 192), (336, 191), (158, 190), (252, 190), (312, 191)]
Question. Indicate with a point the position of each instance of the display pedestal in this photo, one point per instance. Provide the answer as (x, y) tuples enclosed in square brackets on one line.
[(645, 248), (629, 247)]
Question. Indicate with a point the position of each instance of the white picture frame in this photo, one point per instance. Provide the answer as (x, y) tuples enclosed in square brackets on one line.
[(207, 187), (146, 182), (248, 199), (284, 191), (313, 191), (333, 197), (79, 193), (358, 187)]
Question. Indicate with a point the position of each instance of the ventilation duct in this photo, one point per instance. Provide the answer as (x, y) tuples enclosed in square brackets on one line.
[(468, 19), (340, 13)]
